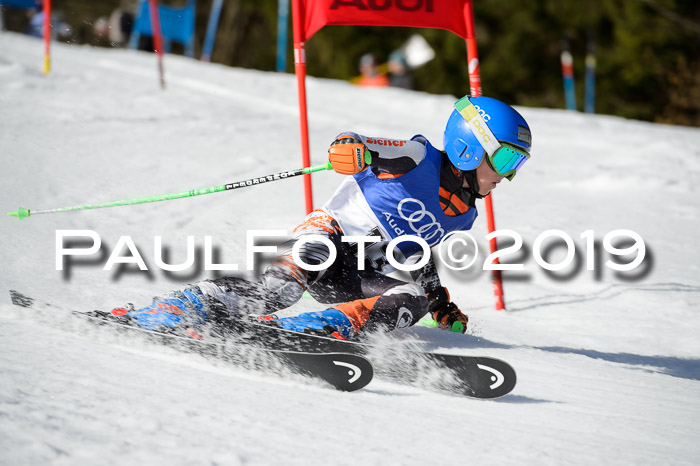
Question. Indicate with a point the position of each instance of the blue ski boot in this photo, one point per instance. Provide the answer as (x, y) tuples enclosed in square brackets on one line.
[(180, 310), (329, 323)]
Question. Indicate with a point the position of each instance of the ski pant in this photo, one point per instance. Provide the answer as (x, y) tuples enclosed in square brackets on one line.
[(368, 298)]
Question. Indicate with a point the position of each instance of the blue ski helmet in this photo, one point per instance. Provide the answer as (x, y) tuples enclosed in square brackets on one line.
[(464, 150)]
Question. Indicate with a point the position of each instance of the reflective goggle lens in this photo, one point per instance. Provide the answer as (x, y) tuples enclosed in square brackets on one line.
[(507, 160)]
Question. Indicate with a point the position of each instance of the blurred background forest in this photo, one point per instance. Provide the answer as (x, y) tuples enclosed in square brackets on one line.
[(647, 51)]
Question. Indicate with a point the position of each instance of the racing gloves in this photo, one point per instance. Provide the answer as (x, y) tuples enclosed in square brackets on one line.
[(445, 312), (348, 155)]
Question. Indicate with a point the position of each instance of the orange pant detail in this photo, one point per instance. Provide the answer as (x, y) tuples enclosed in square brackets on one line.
[(286, 261), (358, 311), (318, 220)]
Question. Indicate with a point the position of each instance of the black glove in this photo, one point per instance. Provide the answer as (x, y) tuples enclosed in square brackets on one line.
[(445, 312)]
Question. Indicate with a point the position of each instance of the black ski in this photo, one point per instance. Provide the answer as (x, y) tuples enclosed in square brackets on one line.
[(473, 376), (342, 370)]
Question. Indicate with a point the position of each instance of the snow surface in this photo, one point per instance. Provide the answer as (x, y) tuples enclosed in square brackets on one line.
[(608, 364)]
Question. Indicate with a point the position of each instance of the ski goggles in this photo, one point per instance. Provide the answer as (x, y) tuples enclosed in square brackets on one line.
[(504, 158)]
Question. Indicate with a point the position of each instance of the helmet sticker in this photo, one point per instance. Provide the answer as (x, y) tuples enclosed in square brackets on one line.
[(484, 115), (524, 135)]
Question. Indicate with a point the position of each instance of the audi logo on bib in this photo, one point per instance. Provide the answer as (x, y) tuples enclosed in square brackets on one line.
[(421, 221)]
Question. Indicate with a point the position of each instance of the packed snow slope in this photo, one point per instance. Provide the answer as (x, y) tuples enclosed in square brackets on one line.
[(608, 363)]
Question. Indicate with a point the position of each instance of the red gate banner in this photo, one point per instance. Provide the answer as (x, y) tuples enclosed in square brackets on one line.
[(440, 14)]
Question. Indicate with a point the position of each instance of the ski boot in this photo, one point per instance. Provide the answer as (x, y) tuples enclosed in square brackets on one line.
[(328, 323), (180, 312)]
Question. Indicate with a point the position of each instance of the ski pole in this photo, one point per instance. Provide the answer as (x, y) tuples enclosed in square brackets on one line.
[(22, 213)]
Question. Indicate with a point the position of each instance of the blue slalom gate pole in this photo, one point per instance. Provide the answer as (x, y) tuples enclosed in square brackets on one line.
[(282, 21), (212, 27), (567, 71), (589, 104)]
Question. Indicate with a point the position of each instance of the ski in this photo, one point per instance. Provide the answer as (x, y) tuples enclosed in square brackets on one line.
[(472, 376), (341, 370)]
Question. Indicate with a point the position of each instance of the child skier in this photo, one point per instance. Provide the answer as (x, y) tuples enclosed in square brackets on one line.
[(395, 188)]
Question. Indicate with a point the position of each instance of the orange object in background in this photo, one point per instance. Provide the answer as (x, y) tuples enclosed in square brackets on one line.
[(379, 80), (371, 77)]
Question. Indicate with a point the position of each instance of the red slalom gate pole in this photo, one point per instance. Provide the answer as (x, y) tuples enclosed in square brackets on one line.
[(475, 91), (496, 277), (47, 36), (300, 71), (157, 39)]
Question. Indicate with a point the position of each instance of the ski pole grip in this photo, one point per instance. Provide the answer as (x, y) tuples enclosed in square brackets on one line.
[(20, 213)]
